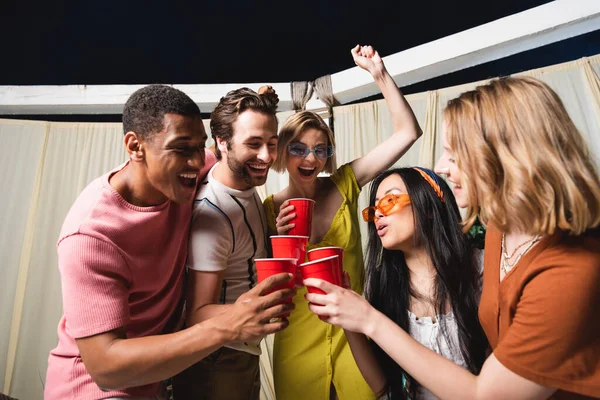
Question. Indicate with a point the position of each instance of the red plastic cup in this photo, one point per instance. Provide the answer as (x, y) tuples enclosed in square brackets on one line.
[(323, 252), (265, 267), (288, 246), (323, 268), (303, 219)]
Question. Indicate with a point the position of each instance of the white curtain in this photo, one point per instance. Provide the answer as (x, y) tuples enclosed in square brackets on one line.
[(20, 154), (45, 165), (574, 84), (73, 154)]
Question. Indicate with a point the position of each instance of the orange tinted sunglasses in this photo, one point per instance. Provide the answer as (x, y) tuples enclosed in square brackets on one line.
[(385, 206)]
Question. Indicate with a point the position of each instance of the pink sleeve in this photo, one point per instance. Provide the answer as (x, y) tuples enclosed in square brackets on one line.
[(95, 281), (210, 159)]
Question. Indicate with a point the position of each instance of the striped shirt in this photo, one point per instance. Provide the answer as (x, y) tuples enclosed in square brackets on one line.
[(228, 232)]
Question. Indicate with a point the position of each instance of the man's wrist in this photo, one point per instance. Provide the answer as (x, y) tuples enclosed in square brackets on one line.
[(217, 330)]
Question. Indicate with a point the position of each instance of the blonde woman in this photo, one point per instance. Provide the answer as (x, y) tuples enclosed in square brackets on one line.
[(313, 360), (517, 160)]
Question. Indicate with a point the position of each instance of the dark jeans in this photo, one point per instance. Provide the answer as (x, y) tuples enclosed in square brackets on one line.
[(226, 374)]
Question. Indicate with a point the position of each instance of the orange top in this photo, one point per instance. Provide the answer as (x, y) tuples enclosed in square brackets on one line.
[(543, 319)]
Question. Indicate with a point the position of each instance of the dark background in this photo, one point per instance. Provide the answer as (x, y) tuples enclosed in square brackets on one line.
[(202, 42)]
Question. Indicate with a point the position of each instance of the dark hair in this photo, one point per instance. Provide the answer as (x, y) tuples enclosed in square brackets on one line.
[(233, 104), (145, 109), (388, 288)]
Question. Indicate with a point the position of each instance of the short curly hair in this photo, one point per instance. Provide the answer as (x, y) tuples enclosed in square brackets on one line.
[(232, 105), (145, 109)]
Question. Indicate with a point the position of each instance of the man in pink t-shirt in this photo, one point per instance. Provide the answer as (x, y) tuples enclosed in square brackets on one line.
[(121, 253)]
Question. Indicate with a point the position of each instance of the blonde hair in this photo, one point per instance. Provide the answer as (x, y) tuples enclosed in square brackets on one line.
[(294, 126), (525, 165)]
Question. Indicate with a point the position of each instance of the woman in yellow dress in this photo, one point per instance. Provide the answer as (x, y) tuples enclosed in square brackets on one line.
[(310, 355)]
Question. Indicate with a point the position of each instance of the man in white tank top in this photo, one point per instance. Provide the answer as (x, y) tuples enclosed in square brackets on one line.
[(228, 232)]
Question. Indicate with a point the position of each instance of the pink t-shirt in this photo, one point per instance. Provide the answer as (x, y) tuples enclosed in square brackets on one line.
[(121, 266)]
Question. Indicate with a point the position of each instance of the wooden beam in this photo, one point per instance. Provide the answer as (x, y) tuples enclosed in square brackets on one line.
[(536, 27), (539, 26), (110, 99)]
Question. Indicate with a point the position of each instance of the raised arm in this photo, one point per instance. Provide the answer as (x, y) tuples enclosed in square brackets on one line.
[(406, 127)]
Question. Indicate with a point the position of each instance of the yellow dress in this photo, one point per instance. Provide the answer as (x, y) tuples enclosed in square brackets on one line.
[(311, 354)]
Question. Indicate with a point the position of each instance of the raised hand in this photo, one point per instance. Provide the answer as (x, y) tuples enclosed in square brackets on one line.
[(285, 216), (342, 307), (368, 59), (269, 91), (256, 314), (405, 125)]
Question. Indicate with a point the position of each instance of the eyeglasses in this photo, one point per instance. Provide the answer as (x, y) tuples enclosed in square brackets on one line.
[(386, 206), (299, 149)]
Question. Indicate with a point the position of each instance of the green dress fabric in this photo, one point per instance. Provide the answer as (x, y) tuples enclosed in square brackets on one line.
[(310, 355)]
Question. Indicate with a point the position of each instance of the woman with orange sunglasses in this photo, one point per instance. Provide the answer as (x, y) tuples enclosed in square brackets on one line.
[(423, 274)]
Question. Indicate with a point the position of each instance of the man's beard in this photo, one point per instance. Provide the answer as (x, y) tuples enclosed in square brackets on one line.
[(241, 172)]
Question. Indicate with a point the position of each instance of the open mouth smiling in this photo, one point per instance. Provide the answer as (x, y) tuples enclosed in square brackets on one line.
[(258, 168), (188, 179), (307, 171)]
